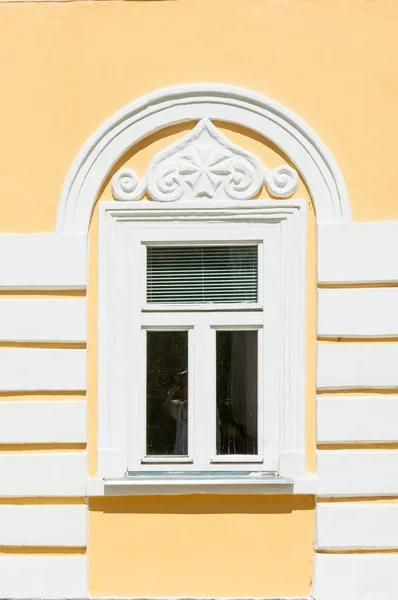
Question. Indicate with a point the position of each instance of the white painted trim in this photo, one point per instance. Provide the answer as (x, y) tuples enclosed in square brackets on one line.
[(353, 525), (43, 525), (357, 472), (43, 422), (283, 225), (34, 576), (358, 252), (43, 473), (350, 419), (42, 261), (192, 102), (357, 365), (355, 577), (43, 320), (181, 486), (30, 369), (358, 312)]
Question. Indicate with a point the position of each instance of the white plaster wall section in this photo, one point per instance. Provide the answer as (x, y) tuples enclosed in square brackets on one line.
[(350, 473), (358, 252), (351, 419), (40, 369), (55, 422), (35, 576), (43, 261), (40, 474), (358, 312), (62, 525), (355, 577), (355, 525), (357, 365), (43, 320)]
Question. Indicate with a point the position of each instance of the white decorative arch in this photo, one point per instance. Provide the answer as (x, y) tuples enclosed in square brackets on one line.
[(192, 102)]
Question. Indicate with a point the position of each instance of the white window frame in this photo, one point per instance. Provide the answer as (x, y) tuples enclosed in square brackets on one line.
[(123, 227)]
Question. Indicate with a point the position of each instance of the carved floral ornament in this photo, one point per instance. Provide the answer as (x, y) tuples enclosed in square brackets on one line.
[(204, 164)]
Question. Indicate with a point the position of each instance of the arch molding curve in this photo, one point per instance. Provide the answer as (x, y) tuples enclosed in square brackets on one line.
[(190, 102)]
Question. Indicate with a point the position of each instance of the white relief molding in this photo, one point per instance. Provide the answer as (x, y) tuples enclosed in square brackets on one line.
[(204, 164), (193, 102), (122, 221), (126, 185)]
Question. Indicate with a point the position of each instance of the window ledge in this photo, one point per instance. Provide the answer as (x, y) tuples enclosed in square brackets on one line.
[(203, 485)]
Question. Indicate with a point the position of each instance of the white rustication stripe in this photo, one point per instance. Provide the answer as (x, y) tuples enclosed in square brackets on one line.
[(352, 525), (30, 369), (43, 422), (358, 312), (43, 261), (35, 576), (357, 418), (43, 525), (357, 472), (355, 577), (357, 365), (43, 473), (358, 253), (43, 320)]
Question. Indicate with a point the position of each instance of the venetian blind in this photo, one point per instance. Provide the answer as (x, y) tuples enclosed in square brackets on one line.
[(202, 274)]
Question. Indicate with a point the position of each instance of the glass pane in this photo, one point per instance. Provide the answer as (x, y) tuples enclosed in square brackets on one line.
[(167, 393), (236, 392)]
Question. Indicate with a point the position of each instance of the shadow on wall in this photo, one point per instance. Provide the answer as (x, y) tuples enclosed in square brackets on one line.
[(197, 504)]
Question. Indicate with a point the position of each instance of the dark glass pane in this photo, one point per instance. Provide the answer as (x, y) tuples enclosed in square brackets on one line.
[(167, 393), (236, 392)]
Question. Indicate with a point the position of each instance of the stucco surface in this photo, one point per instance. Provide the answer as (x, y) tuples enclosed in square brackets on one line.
[(201, 546), (66, 67)]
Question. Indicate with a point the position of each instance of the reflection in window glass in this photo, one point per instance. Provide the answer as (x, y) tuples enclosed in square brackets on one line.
[(236, 392), (167, 393)]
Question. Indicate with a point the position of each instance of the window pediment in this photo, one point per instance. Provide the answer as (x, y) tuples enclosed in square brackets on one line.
[(204, 164)]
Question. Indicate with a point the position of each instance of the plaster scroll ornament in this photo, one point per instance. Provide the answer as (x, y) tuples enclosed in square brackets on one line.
[(204, 164), (126, 185)]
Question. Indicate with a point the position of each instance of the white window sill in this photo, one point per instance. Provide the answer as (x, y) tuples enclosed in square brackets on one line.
[(205, 485)]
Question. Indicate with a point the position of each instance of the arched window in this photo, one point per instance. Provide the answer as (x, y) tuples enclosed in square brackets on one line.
[(202, 294)]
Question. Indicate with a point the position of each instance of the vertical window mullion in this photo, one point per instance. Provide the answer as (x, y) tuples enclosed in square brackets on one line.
[(204, 377)]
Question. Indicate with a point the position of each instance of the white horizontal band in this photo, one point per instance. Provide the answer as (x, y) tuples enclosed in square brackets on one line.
[(43, 320), (358, 312), (357, 418), (355, 577), (43, 474), (352, 525), (43, 525), (35, 576), (43, 261), (355, 365), (358, 252), (43, 422), (29, 369), (357, 472)]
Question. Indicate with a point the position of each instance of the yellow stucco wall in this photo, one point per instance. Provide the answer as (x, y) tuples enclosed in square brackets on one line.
[(201, 546), (65, 68)]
